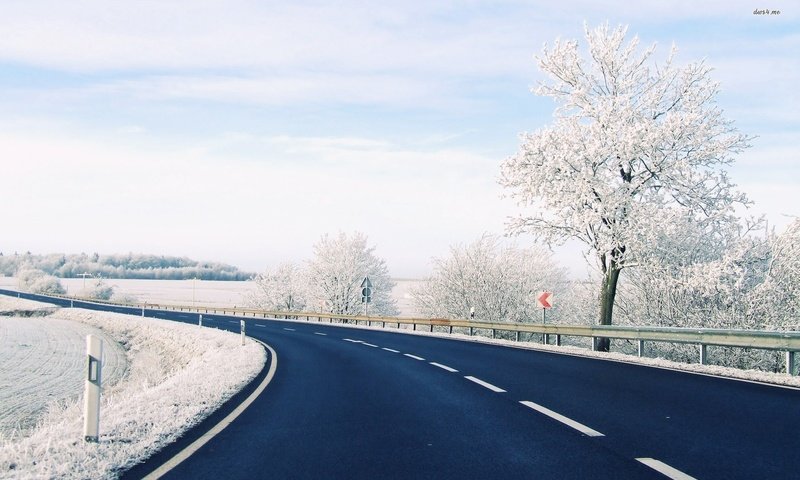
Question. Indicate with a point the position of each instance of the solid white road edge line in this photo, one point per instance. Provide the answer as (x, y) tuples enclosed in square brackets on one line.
[(665, 469), (445, 367), (484, 384), (413, 356), (197, 444), (390, 350), (561, 418)]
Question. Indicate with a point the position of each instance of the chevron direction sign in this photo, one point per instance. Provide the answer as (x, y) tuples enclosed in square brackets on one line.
[(545, 299)]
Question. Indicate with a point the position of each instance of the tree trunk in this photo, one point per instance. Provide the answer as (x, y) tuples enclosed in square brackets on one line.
[(608, 292)]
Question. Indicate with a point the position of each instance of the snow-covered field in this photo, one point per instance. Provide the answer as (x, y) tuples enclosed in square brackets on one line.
[(201, 292), (42, 361), (176, 375)]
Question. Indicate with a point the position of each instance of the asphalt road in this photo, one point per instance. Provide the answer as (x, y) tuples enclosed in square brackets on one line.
[(357, 403)]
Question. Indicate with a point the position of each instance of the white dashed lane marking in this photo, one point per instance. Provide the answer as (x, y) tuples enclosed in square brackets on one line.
[(484, 384), (259, 325), (369, 344), (665, 469), (444, 367), (561, 418), (320, 333), (390, 350), (413, 356), (290, 329)]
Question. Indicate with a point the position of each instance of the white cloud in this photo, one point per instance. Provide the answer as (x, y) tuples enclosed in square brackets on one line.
[(79, 194)]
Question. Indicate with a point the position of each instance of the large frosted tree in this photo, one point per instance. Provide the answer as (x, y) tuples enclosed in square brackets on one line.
[(283, 288), (499, 282), (634, 146), (335, 274)]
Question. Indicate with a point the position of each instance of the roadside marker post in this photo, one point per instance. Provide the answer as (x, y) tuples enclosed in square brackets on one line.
[(241, 323), (94, 367), (200, 320)]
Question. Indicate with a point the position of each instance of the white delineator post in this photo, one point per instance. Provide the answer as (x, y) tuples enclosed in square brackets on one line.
[(91, 416), (241, 322)]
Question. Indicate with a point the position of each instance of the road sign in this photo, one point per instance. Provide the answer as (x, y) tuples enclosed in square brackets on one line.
[(366, 294), (366, 291), (545, 299)]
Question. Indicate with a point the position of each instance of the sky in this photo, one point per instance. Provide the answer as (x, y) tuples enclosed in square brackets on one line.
[(243, 131)]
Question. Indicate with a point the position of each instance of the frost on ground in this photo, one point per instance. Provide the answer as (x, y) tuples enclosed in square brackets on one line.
[(177, 375), (12, 306), (42, 362)]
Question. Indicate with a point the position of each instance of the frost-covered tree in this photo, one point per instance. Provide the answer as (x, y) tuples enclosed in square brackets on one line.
[(98, 290), (335, 274), (634, 146), (283, 288), (778, 298), (37, 281), (499, 282)]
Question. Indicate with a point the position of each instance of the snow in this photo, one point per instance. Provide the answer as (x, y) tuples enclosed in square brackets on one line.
[(203, 292), (43, 361), (177, 374)]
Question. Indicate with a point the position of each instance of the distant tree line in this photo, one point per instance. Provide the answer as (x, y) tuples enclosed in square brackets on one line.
[(133, 266)]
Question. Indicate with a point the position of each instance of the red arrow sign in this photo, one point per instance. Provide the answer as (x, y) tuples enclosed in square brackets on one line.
[(545, 299)]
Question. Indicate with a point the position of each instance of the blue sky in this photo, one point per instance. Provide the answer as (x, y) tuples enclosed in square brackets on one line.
[(242, 131)]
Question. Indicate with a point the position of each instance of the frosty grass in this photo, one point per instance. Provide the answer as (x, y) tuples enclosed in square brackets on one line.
[(177, 375)]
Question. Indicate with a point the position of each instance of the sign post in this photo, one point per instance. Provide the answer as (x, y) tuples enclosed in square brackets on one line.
[(545, 300), (91, 393), (366, 294)]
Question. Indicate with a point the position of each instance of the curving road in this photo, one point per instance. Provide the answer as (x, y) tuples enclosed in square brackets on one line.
[(357, 403)]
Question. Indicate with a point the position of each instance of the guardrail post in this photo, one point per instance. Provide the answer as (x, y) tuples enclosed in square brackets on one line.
[(790, 363), (471, 331), (640, 349), (546, 339), (594, 344), (703, 354), (415, 326), (516, 335), (431, 328), (558, 340), (494, 333), (450, 330)]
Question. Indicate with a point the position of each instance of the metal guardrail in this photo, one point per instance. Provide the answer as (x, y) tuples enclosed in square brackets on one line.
[(704, 337), (787, 341)]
